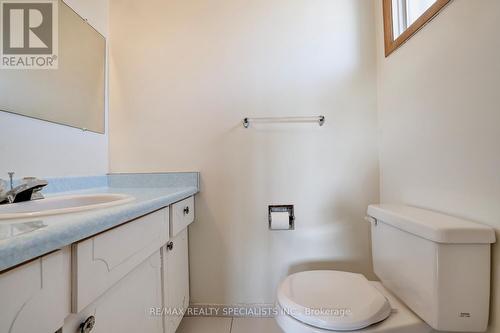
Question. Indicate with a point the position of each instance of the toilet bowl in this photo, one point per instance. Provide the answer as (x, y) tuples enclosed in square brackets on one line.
[(335, 301), (436, 265)]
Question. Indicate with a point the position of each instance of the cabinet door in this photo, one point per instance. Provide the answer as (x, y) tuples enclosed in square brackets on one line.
[(35, 297), (176, 281), (101, 261), (127, 307)]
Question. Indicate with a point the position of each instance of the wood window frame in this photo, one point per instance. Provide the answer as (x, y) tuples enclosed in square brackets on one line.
[(392, 44)]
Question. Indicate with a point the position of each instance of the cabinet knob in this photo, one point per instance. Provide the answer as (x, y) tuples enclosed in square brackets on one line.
[(88, 325), (170, 246), (186, 210)]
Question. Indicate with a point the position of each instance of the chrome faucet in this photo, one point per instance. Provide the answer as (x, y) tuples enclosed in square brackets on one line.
[(29, 189)]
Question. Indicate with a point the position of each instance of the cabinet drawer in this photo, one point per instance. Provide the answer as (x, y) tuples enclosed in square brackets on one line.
[(101, 261), (181, 215), (35, 297)]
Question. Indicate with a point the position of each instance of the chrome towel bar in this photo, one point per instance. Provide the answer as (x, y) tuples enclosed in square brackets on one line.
[(314, 119)]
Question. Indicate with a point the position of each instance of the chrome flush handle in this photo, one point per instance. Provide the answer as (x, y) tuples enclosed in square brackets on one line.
[(371, 220)]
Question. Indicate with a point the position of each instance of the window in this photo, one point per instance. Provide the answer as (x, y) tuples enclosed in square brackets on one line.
[(403, 18)]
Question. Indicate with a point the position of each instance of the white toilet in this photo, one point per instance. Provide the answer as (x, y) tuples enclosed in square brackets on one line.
[(434, 271)]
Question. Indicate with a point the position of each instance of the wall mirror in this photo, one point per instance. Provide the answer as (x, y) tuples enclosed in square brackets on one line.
[(403, 18), (74, 93)]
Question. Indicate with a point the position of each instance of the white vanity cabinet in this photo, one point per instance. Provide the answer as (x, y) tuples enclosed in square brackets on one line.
[(131, 278), (35, 297)]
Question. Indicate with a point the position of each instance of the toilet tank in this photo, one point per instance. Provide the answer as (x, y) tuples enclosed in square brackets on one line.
[(438, 265)]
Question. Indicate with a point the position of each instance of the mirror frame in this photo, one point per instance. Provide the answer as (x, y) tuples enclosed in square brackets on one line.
[(392, 44)]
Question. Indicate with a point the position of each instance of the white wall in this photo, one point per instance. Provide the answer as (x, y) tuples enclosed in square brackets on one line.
[(33, 147), (439, 114), (183, 74)]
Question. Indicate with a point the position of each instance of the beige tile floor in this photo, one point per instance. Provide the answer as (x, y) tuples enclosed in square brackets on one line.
[(228, 325)]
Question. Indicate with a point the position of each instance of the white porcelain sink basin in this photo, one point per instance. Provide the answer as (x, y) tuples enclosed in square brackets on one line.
[(61, 205)]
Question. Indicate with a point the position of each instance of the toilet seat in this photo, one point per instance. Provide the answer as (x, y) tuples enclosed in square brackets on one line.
[(332, 300)]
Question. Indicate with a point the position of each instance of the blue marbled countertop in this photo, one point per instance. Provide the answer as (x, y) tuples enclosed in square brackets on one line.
[(150, 191)]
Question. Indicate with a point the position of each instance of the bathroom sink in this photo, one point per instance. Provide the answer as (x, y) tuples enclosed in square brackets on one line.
[(61, 205)]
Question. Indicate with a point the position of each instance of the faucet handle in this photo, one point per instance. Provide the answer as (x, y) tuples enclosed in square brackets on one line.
[(11, 177), (32, 180)]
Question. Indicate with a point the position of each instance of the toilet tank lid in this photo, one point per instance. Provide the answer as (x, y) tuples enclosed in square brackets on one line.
[(431, 225)]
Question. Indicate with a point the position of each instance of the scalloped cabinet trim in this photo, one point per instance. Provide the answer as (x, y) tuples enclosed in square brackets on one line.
[(123, 308), (35, 297), (101, 261)]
